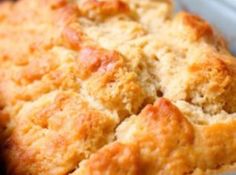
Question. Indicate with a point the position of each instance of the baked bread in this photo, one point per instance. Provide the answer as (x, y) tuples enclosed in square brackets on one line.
[(78, 79)]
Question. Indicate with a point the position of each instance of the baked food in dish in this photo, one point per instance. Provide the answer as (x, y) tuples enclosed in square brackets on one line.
[(78, 77)]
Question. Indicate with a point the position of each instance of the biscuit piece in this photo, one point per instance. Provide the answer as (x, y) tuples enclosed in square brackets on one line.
[(67, 59), (172, 55), (55, 132), (72, 71), (161, 141)]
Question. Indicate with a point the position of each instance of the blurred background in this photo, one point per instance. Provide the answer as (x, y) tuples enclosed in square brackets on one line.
[(220, 13)]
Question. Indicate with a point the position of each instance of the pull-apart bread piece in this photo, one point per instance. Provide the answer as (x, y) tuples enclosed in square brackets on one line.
[(114, 87)]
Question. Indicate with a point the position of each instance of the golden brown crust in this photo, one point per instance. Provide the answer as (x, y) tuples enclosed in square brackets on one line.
[(164, 142), (43, 134), (73, 71), (116, 158), (195, 27), (102, 9)]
